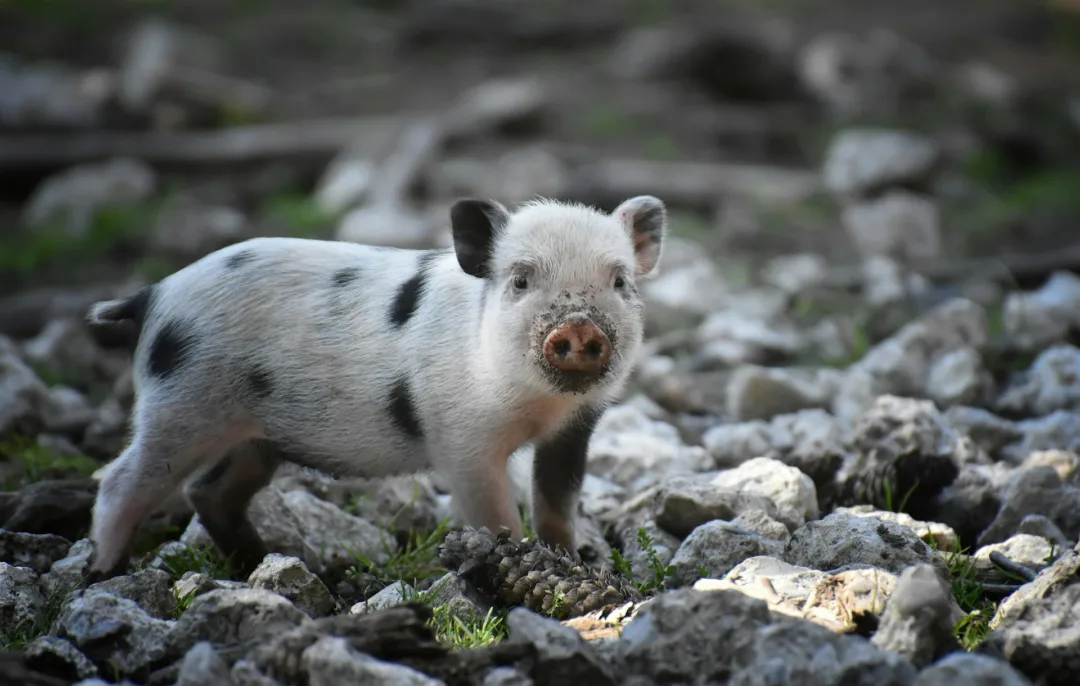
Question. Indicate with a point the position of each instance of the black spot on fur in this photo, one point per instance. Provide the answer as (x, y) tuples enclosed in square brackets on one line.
[(407, 299), (260, 381), (346, 275), (170, 349), (403, 410), (239, 259), (138, 305)]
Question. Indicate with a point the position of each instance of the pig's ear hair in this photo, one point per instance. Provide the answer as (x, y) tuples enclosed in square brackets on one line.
[(474, 225), (645, 219)]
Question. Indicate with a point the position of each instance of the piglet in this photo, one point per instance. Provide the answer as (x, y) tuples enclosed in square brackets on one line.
[(372, 361)]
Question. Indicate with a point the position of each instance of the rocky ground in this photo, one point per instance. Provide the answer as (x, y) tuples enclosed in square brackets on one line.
[(851, 452)]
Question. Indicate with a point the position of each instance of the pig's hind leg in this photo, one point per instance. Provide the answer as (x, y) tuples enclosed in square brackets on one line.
[(221, 496), (171, 441)]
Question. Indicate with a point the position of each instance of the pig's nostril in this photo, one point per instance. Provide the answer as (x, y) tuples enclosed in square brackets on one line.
[(594, 348), (562, 348)]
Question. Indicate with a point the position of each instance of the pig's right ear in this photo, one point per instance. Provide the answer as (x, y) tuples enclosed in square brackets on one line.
[(474, 224)]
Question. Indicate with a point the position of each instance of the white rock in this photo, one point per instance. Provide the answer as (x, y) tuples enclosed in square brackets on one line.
[(792, 491), (1034, 320), (74, 195), (627, 445), (898, 224), (861, 159)]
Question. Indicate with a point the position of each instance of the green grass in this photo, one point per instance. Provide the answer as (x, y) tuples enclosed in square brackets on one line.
[(203, 559), (298, 215), (39, 463), (417, 560), (974, 627), (660, 572), (463, 629), (17, 637)]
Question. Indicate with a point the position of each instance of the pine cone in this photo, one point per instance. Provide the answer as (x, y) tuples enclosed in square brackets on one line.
[(531, 574)]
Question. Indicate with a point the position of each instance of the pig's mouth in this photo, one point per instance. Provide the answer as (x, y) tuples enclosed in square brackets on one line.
[(576, 349)]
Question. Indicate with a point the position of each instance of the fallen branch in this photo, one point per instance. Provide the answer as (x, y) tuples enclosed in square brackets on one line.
[(1016, 568)]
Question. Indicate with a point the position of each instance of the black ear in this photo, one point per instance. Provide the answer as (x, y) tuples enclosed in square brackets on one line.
[(474, 224)]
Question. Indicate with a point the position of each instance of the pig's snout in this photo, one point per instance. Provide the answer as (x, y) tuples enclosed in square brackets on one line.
[(577, 346)]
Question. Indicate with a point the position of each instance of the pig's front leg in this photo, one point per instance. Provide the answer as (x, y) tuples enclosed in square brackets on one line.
[(558, 470), (480, 486)]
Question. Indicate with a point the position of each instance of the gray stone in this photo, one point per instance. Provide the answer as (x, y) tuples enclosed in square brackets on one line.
[(919, 618), (194, 584), (394, 594), (791, 653), (839, 540), (859, 160), (684, 503), (21, 601), (938, 536), (1043, 527), (506, 676), (627, 445), (791, 491), (972, 501), (24, 399), (114, 632), (1059, 430), (228, 618), (245, 673), (288, 577), (959, 377), (1037, 490), (663, 546), (36, 551), (760, 523), (714, 548), (58, 657), (1033, 551), (899, 224), (188, 229), (1051, 383), (970, 669), (67, 572), (330, 661), (1043, 317), (989, 431), (562, 655), (1066, 463), (756, 392), (202, 665), (150, 589)]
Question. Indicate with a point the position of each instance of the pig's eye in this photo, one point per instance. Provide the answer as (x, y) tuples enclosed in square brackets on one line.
[(520, 282), (620, 283)]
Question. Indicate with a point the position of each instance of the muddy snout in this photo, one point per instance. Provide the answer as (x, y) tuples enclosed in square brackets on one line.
[(577, 346)]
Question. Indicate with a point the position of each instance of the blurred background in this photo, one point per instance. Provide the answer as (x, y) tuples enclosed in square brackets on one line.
[(845, 143)]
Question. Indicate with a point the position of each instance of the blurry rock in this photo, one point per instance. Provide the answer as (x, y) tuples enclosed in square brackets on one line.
[(68, 413), (809, 440), (1037, 490), (562, 655), (688, 288), (839, 540), (859, 75), (113, 631), (1036, 627), (661, 543), (901, 364), (1040, 318), (989, 431), (21, 600), (1064, 462), (919, 618), (67, 573), (288, 577), (58, 657), (389, 224), (959, 377), (886, 281), (36, 551), (501, 104), (685, 503), (345, 182), (202, 665), (1051, 383), (188, 229), (331, 661), (73, 197), (970, 669), (52, 96), (524, 173), (23, 397), (1059, 430), (760, 523), (756, 392), (898, 224), (938, 536), (1043, 527), (791, 491), (971, 502), (399, 504), (627, 446), (859, 161), (154, 54), (795, 273), (1034, 551), (744, 334), (226, 618), (54, 506), (394, 594), (714, 548)]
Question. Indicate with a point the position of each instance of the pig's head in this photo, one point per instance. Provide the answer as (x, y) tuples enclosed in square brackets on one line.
[(561, 307)]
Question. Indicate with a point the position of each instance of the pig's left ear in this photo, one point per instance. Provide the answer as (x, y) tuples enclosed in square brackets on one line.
[(474, 225), (645, 219)]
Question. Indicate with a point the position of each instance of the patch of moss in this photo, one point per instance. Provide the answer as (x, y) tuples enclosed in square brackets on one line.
[(39, 463)]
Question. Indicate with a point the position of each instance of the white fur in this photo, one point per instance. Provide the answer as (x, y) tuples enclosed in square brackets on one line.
[(471, 369)]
